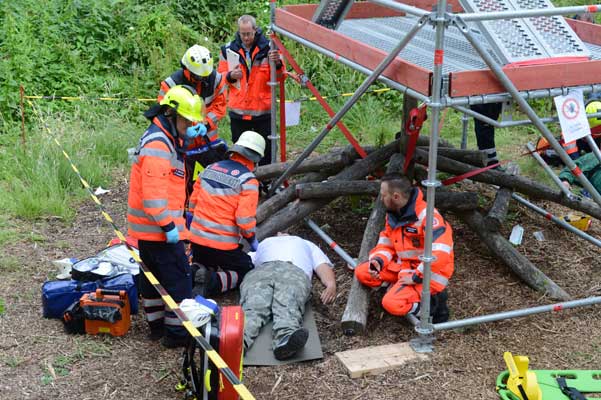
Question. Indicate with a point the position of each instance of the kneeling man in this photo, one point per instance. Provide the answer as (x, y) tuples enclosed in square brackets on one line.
[(396, 258)]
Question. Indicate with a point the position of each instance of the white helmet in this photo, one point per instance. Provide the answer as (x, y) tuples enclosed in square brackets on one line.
[(250, 145), (198, 60)]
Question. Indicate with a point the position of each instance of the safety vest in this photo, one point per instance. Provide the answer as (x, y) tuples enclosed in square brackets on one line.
[(224, 202), (253, 98), (157, 185), (401, 243), (212, 93)]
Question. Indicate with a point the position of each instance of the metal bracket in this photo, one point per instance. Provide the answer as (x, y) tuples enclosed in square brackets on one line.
[(430, 259), (303, 80), (422, 343), (434, 183)]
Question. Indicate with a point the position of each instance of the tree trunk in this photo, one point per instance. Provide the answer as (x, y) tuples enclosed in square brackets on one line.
[(517, 183), (498, 212), (518, 263), (354, 318), (333, 161), (281, 199), (296, 211), (445, 200), (473, 157)]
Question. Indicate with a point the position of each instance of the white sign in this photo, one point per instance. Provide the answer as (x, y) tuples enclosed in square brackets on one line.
[(292, 113), (233, 60), (572, 116)]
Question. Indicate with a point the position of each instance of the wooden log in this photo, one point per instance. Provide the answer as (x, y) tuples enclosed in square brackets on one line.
[(445, 200), (333, 162), (517, 183), (321, 190), (296, 211), (498, 211), (281, 199), (354, 318), (477, 158), (507, 253)]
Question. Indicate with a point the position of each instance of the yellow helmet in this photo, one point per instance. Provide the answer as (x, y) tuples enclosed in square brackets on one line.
[(594, 107), (197, 59), (186, 103)]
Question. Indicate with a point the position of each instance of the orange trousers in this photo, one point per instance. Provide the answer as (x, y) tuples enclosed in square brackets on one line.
[(400, 299)]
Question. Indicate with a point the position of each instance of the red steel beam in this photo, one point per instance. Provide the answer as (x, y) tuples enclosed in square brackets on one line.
[(349, 136)]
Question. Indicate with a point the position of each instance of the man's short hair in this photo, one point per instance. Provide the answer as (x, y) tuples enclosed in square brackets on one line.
[(398, 183), (246, 19)]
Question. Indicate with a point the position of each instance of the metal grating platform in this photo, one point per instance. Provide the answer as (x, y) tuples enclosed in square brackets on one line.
[(517, 40), (330, 13), (385, 33)]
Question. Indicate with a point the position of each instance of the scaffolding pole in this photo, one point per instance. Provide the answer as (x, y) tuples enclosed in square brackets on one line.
[(517, 313), (549, 171), (349, 103), (333, 245), (424, 329), (273, 83), (506, 82), (556, 220)]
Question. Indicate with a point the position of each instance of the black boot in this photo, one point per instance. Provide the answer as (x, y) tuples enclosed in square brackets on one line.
[(200, 279), (440, 310), (289, 345)]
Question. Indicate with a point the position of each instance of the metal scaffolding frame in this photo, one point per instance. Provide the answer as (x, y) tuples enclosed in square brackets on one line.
[(441, 19)]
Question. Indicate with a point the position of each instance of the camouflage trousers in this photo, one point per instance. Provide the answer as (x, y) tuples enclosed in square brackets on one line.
[(278, 290)]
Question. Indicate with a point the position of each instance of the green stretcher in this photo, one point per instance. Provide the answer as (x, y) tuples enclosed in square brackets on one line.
[(588, 382)]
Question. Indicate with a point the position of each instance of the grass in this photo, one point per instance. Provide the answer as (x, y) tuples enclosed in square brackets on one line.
[(9, 263)]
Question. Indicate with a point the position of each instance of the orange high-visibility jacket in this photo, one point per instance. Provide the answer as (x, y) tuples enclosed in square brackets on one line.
[(212, 93), (402, 242), (253, 98), (157, 185), (224, 202)]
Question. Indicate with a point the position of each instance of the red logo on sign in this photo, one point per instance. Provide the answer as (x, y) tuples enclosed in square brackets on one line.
[(570, 109), (235, 172)]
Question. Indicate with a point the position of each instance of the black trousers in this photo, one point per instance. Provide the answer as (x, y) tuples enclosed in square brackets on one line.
[(169, 264), (485, 133), (262, 126), (234, 265)]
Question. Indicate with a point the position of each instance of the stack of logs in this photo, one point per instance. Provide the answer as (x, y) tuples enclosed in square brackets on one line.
[(321, 179)]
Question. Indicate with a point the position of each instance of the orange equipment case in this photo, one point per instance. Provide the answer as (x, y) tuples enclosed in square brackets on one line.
[(106, 311), (201, 379)]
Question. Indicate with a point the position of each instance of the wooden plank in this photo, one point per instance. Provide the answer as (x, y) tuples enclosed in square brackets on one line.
[(374, 360), (468, 83), (399, 70), (587, 32)]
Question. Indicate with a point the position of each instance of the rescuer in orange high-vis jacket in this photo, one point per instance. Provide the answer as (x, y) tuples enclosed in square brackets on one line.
[(198, 72), (224, 205), (155, 212), (249, 98), (396, 258)]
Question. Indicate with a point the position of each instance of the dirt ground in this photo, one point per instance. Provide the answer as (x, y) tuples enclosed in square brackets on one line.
[(39, 361)]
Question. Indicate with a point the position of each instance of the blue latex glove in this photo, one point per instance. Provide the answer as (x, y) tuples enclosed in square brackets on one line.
[(254, 244), (189, 217), (195, 131), (172, 236)]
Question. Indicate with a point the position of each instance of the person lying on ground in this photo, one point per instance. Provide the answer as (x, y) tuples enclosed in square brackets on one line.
[(278, 288)]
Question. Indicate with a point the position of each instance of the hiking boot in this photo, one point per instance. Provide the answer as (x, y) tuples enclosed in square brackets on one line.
[(289, 345), (173, 342), (440, 310), (156, 333), (200, 279)]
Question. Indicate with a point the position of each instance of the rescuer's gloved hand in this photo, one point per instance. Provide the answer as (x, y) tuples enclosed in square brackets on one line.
[(195, 131), (188, 215), (254, 243), (172, 236)]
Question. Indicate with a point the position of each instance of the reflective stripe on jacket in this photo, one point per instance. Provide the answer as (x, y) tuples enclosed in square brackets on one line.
[(224, 202), (253, 98), (212, 93), (157, 187), (401, 243)]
